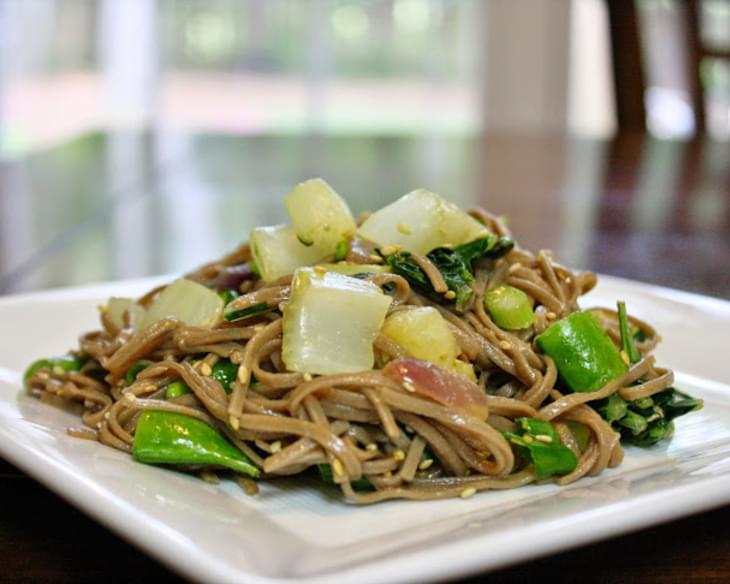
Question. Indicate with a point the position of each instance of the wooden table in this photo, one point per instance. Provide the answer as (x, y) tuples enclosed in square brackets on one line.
[(109, 206)]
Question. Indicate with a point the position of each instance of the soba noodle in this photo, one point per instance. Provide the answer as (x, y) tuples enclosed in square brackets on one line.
[(362, 424)]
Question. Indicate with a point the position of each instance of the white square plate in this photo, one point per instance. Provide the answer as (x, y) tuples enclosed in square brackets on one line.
[(294, 531)]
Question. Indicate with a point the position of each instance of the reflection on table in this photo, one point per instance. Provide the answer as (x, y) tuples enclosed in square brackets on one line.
[(111, 206)]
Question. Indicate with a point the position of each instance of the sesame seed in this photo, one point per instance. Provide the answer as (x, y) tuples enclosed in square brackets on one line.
[(242, 375), (258, 328), (275, 447), (468, 492), (568, 280), (449, 295), (514, 267), (130, 397), (408, 429), (504, 345), (408, 386), (307, 377), (58, 370), (544, 438), (425, 464), (233, 421), (551, 315), (205, 369), (399, 455), (404, 229), (372, 447), (625, 357), (527, 438), (338, 468), (106, 415), (98, 425), (375, 258)]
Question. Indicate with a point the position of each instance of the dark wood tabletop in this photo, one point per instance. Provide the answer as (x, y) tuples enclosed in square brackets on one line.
[(112, 206)]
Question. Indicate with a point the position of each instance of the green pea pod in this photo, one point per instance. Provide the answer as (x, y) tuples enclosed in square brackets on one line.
[(509, 308), (225, 372), (170, 438), (539, 441), (176, 389), (134, 370), (65, 364), (584, 354)]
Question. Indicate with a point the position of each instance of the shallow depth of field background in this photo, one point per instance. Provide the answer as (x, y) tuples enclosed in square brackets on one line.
[(140, 137)]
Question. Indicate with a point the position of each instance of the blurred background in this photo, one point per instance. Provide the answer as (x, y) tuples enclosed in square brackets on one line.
[(141, 137)]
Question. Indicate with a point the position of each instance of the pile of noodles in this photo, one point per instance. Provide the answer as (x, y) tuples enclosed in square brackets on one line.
[(363, 424)]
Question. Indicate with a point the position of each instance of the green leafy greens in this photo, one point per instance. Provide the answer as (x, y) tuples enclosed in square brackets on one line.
[(648, 420), (539, 442), (456, 266)]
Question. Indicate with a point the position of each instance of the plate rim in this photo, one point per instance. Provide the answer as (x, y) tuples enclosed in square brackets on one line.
[(583, 530)]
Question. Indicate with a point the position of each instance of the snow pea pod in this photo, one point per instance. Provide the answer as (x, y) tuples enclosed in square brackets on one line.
[(63, 364), (509, 307), (176, 389), (135, 370), (584, 354), (171, 438)]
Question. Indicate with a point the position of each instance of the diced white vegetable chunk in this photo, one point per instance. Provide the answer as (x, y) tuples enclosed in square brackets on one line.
[(419, 222), (424, 333), (330, 323), (277, 251), (458, 227), (188, 302), (117, 307), (320, 217), (465, 369)]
